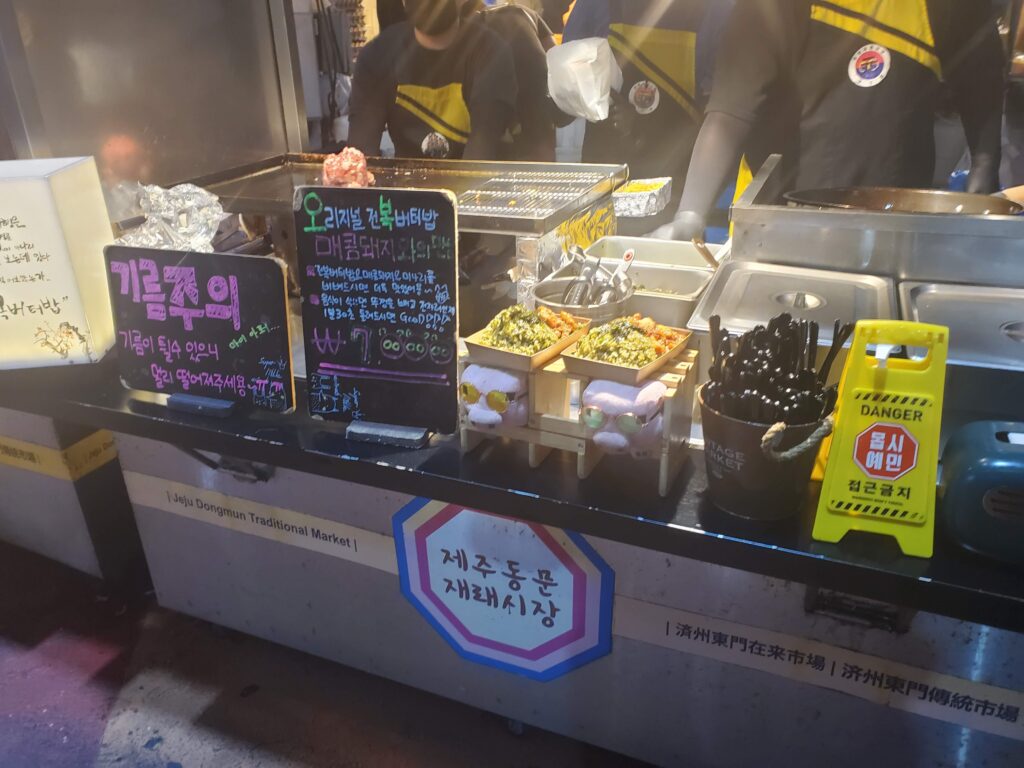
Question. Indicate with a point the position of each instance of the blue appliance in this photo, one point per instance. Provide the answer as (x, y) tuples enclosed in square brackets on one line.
[(982, 504)]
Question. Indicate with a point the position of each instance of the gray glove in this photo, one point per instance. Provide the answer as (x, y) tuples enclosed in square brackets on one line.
[(686, 226), (716, 155)]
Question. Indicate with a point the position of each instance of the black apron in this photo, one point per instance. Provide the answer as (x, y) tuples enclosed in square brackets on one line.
[(869, 98), (655, 43)]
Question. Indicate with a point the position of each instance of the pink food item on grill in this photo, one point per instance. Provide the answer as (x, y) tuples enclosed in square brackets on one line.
[(347, 169)]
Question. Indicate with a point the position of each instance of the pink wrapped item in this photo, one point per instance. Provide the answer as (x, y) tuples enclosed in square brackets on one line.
[(347, 169)]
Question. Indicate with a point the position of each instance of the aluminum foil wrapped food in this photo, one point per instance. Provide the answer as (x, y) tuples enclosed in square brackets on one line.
[(642, 197), (347, 169), (184, 218)]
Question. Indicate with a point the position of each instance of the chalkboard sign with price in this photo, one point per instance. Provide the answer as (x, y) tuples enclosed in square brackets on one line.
[(379, 289), (207, 324)]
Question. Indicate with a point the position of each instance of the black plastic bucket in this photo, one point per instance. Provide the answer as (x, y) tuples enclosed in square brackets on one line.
[(745, 482)]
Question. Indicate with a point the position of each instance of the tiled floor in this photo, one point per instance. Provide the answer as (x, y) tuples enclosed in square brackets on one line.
[(91, 680)]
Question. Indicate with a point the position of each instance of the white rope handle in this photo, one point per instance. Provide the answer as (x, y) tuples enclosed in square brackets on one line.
[(774, 436)]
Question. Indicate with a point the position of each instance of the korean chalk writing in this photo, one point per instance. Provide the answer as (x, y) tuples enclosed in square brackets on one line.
[(379, 281), (206, 324)]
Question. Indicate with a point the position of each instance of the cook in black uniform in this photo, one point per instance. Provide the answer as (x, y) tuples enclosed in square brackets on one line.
[(532, 135), (847, 90), (443, 86), (660, 46)]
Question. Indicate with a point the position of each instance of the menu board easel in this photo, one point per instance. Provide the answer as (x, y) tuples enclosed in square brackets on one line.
[(379, 280), (208, 329)]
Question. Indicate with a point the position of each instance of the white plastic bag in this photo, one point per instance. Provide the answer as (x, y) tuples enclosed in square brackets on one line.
[(581, 75)]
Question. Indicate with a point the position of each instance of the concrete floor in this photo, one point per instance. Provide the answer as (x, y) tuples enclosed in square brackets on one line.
[(92, 680)]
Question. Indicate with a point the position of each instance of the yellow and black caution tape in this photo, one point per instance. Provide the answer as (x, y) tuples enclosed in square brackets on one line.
[(88, 454)]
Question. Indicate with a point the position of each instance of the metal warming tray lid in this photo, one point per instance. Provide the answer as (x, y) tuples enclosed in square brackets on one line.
[(521, 198), (746, 294), (986, 325)]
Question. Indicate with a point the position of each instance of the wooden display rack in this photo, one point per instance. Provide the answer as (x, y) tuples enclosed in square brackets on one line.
[(551, 424)]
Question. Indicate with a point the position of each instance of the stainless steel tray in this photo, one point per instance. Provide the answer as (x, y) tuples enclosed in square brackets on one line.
[(746, 294), (669, 252), (668, 294), (520, 198), (986, 325), (919, 247)]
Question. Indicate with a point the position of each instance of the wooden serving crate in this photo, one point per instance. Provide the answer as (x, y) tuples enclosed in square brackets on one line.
[(555, 397)]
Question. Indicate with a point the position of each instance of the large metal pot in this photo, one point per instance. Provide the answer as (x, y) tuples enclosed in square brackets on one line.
[(549, 292), (904, 200)]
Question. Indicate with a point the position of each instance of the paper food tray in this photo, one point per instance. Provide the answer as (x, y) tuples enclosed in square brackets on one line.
[(481, 354), (621, 374)]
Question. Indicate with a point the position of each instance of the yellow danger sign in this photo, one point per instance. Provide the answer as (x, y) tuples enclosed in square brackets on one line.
[(884, 456)]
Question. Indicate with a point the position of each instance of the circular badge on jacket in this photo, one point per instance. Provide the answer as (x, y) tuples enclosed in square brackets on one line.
[(644, 96), (435, 145), (869, 65)]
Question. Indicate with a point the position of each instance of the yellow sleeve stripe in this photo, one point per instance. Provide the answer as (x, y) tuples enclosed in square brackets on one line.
[(896, 40), (654, 74), (905, 17), (443, 109)]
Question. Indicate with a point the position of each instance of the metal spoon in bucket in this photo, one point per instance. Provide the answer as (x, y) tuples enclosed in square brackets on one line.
[(618, 284)]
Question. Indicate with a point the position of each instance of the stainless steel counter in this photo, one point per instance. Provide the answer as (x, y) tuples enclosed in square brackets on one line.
[(978, 250), (512, 198)]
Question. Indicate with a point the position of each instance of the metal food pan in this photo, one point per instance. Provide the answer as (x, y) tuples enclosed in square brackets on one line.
[(985, 374), (746, 294), (668, 294), (986, 325), (667, 252)]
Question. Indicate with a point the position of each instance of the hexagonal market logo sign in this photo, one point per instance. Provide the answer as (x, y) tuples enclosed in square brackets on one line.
[(519, 596)]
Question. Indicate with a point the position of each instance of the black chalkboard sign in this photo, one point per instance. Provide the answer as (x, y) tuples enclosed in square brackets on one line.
[(209, 324), (379, 289)]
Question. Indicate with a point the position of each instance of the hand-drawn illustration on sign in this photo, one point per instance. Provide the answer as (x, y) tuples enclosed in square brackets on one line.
[(519, 596)]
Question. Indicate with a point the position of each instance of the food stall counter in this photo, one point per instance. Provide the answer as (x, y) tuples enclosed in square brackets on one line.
[(612, 504)]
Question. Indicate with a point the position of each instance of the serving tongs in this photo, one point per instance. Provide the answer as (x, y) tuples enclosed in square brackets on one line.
[(594, 285), (706, 254), (618, 284), (581, 288)]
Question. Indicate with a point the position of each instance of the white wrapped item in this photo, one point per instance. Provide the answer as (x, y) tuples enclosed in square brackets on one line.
[(642, 197), (581, 75)]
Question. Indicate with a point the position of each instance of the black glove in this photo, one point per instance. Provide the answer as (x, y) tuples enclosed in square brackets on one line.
[(622, 116)]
